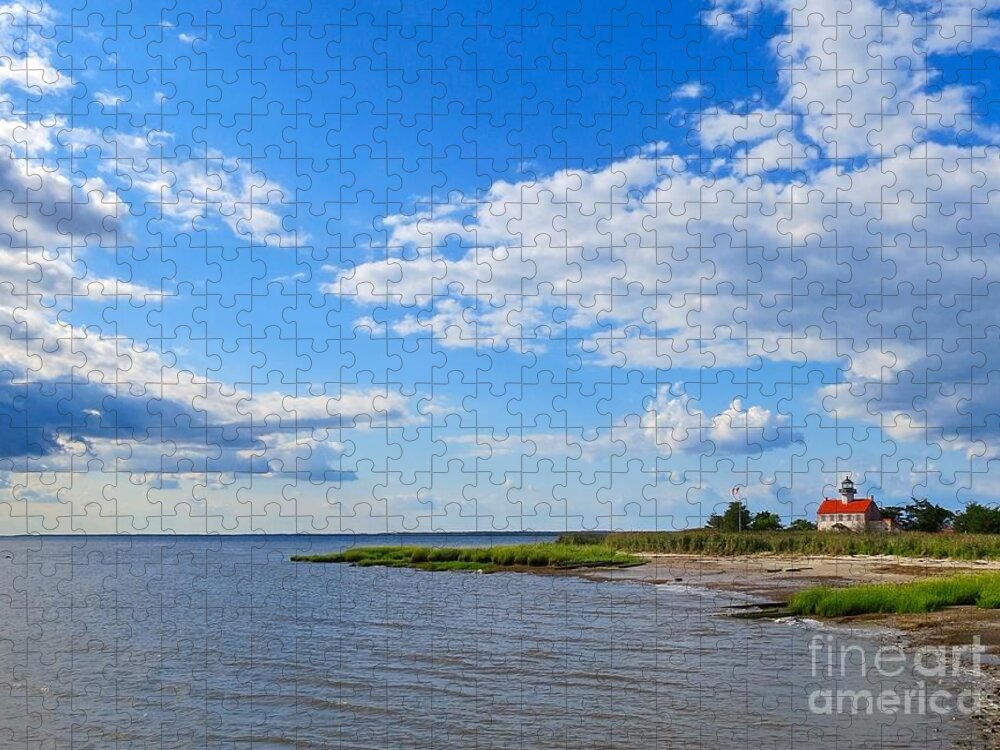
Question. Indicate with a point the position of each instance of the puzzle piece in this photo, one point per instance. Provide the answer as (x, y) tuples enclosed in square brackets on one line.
[(348, 269)]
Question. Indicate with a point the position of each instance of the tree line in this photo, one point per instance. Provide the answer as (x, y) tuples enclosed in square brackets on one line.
[(917, 515)]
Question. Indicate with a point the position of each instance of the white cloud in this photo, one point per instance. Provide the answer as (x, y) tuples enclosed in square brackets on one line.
[(128, 407), (194, 188), (25, 50), (881, 269), (675, 423), (108, 99), (232, 191), (682, 268), (691, 90), (856, 83)]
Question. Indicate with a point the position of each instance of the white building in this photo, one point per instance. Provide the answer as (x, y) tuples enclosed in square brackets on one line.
[(850, 513)]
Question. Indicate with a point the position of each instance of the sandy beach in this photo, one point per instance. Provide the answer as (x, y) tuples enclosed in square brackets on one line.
[(778, 576)]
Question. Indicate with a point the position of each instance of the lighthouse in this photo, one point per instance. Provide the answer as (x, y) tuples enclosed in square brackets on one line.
[(850, 512), (847, 490)]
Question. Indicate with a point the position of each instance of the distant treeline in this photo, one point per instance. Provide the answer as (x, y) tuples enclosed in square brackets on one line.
[(917, 515), (707, 542)]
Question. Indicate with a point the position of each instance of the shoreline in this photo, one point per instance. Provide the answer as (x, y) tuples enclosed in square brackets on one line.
[(767, 579)]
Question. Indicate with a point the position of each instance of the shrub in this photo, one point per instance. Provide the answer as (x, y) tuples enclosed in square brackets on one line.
[(978, 519)]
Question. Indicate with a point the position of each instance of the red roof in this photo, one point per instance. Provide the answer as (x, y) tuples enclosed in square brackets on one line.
[(833, 505)]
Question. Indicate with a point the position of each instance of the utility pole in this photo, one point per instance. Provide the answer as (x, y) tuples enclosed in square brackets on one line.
[(735, 492)]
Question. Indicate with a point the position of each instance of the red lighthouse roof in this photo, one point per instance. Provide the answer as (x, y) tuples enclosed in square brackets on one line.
[(830, 506)]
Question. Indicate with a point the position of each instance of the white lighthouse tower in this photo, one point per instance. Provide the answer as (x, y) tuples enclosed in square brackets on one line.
[(847, 491)]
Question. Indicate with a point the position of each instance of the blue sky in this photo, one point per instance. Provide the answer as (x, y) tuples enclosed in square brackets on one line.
[(414, 268)]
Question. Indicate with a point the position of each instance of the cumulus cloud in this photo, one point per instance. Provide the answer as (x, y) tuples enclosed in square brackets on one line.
[(189, 426), (675, 423), (690, 90), (841, 225), (195, 189), (74, 397), (109, 99), (26, 50)]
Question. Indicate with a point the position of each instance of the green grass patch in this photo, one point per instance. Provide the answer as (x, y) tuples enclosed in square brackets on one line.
[(901, 598), (489, 559), (595, 549), (906, 544)]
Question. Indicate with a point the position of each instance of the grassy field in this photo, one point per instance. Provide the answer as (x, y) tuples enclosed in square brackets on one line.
[(920, 596), (908, 544), (487, 559)]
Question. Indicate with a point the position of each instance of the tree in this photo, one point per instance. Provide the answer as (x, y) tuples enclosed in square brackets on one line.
[(736, 518), (801, 524), (766, 521), (978, 519), (896, 514), (923, 515)]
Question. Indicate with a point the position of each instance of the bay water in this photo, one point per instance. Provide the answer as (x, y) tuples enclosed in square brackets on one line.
[(222, 642)]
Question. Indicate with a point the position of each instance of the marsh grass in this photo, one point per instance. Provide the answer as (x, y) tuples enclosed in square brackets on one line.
[(907, 544), (900, 598), (488, 559), (592, 549)]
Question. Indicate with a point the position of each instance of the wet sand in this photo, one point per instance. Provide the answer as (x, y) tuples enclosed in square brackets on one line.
[(779, 576)]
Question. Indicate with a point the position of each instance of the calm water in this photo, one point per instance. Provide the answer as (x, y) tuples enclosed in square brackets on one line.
[(221, 643)]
